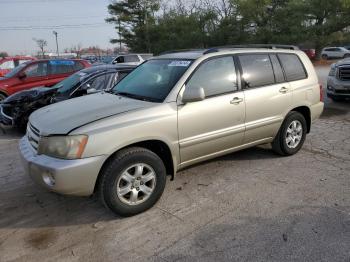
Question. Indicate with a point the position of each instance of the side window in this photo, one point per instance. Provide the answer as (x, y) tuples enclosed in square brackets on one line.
[(277, 69), (8, 65), (62, 66), (120, 59), (293, 67), (131, 58), (37, 69), (216, 76), (99, 82), (256, 70), (121, 75)]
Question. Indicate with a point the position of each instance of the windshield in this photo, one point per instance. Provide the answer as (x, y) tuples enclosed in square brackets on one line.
[(14, 71), (153, 80), (70, 82)]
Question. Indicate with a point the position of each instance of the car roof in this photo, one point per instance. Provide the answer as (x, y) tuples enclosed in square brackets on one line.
[(107, 67)]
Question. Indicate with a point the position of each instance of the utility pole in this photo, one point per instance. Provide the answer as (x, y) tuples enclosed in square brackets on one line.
[(55, 33), (120, 36)]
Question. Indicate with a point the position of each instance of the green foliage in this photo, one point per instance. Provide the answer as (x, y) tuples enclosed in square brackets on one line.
[(146, 26)]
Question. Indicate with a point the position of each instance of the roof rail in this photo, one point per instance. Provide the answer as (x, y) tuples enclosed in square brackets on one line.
[(268, 46), (181, 50)]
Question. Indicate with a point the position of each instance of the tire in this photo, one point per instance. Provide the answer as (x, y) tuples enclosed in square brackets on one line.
[(280, 144), (2, 97), (115, 182), (325, 57)]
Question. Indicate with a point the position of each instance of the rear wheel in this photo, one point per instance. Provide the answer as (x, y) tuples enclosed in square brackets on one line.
[(291, 136), (132, 181), (325, 57)]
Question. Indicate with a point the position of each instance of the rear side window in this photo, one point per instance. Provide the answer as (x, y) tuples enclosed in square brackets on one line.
[(256, 70), (292, 66), (216, 76), (62, 66), (131, 58), (277, 69)]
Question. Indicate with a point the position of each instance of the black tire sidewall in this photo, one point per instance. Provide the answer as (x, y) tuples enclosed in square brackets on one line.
[(114, 171), (291, 117)]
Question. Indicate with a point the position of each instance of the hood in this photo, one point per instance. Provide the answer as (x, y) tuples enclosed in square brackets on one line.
[(29, 95), (63, 117), (345, 61)]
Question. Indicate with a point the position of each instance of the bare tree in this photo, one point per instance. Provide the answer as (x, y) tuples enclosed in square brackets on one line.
[(41, 43), (77, 49)]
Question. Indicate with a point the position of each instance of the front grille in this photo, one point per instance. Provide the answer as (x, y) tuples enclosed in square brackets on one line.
[(342, 91), (33, 135), (344, 73)]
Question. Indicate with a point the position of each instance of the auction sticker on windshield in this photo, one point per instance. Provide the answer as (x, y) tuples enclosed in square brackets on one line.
[(179, 63)]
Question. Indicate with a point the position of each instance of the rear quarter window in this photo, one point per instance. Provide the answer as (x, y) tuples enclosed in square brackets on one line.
[(293, 67)]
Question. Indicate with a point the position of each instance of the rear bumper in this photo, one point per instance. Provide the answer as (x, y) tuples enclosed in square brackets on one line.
[(71, 177), (316, 110)]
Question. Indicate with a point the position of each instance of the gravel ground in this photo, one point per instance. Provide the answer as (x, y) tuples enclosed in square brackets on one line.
[(247, 206)]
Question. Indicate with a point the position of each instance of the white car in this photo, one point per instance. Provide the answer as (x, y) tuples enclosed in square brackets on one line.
[(131, 59), (335, 52)]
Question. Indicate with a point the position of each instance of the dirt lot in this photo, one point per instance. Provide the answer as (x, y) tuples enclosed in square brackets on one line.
[(247, 206)]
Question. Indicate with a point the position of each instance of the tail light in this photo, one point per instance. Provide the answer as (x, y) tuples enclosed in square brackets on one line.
[(321, 93)]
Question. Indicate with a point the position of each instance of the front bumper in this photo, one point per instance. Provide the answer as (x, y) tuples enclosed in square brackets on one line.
[(5, 119), (337, 88), (71, 177)]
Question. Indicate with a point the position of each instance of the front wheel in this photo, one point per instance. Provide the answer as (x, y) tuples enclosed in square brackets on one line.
[(132, 181), (291, 136)]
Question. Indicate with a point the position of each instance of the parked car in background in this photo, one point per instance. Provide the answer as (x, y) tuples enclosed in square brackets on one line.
[(15, 109), (338, 82), (131, 59), (171, 112), (335, 52), (38, 73), (9, 63), (310, 53)]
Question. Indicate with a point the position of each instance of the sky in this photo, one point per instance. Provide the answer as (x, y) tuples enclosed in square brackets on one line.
[(76, 21)]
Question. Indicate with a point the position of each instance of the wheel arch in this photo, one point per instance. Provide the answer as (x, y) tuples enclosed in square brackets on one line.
[(306, 112), (159, 147)]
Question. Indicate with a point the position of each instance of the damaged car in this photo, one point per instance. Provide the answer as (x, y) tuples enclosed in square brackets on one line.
[(16, 109)]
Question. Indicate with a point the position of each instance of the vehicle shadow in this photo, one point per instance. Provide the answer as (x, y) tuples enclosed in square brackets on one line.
[(33, 207)]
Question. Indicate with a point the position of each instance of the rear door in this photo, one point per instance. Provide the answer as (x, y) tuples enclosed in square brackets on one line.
[(60, 69), (215, 124), (36, 74), (267, 95)]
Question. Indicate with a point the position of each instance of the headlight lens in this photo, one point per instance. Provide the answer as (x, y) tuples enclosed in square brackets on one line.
[(332, 71), (65, 147)]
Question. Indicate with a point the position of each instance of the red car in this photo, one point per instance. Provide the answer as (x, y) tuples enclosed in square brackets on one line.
[(9, 63), (39, 73), (310, 53)]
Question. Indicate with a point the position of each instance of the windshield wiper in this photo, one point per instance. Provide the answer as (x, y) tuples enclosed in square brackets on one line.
[(138, 97)]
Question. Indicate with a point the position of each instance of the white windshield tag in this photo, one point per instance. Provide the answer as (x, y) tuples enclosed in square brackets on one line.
[(179, 63)]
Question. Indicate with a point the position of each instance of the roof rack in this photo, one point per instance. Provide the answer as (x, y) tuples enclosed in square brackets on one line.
[(268, 46), (182, 50)]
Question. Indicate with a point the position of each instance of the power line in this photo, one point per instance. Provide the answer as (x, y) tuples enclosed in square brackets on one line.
[(33, 1), (43, 19), (10, 28)]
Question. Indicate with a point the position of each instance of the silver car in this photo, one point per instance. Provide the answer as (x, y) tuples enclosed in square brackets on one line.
[(338, 82), (171, 112)]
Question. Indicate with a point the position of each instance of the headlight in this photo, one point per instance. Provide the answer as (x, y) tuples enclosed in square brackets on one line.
[(332, 71), (65, 147)]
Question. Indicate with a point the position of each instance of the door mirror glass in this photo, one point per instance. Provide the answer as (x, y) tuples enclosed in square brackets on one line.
[(193, 94)]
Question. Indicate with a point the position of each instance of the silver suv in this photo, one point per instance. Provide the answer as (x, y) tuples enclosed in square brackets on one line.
[(171, 112), (338, 82)]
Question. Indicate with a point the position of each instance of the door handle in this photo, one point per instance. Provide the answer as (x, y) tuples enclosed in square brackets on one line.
[(236, 101), (283, 90)]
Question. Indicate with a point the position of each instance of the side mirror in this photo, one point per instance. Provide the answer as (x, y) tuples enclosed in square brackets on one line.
[(91, 91), (193, 94), (22, 75)]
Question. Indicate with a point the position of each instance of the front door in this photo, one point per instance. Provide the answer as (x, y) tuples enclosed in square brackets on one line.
[(215, 124)]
